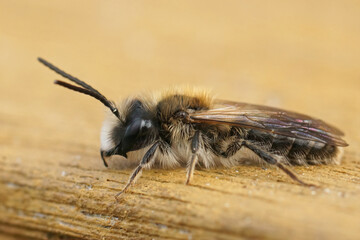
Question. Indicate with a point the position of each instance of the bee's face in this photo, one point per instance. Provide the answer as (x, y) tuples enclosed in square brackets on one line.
[(135, 130)]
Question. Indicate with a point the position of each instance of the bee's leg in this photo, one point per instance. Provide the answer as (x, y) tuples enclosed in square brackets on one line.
[(194, 158), (267, 157), (232, 149), (146, 161)]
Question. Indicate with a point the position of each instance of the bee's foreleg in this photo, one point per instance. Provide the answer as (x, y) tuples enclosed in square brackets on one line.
[(147, 160), (194, 158), (267, 157)]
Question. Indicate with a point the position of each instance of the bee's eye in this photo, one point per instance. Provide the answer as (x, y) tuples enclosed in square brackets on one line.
[(135, 129)]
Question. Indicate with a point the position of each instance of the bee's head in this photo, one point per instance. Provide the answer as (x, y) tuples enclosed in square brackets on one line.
[(133, 130), (128, 128)]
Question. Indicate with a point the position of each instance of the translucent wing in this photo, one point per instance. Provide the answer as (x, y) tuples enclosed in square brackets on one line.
[(269, 119)]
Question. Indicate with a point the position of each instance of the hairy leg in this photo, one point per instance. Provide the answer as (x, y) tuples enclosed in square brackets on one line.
[(234, 147), (269, 158), (147, 160), (194, 158)]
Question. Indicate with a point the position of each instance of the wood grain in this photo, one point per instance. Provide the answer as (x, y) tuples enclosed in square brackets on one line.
[(301, 56)]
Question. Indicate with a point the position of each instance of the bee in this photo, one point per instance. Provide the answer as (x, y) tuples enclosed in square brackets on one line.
[(188, 128)]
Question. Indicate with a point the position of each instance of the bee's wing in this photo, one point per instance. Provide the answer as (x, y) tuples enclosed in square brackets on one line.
[(270, 119)]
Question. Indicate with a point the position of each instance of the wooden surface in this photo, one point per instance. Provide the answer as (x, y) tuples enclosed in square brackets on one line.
[(300, 55)]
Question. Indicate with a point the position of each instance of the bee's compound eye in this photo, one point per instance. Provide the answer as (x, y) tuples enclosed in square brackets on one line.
[(133, 129), (137, 128)]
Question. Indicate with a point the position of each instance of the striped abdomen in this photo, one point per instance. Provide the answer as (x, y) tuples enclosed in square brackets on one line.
[(296, 151)]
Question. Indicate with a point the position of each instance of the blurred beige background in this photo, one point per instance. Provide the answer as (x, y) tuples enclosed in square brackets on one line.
[(298, 55)]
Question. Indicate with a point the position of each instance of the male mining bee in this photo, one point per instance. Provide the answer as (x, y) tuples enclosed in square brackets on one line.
[(186, 128)]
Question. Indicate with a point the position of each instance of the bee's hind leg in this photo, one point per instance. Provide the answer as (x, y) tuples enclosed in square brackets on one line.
[(267, 157), (148, 159), (195, 143)]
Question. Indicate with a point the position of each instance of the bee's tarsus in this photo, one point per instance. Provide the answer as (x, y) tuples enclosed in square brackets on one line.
[(195, 144), (148, 159), (293, 176)]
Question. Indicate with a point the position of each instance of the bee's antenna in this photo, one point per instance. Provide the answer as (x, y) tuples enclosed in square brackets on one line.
[(86, 89)]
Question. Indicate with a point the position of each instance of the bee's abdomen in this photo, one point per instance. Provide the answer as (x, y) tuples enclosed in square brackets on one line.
[(322, 154), (296, 151), (299, 151)]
